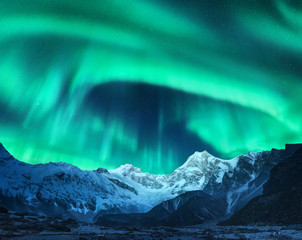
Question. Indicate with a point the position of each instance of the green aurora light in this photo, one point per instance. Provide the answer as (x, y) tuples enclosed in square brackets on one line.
[(232, 70)]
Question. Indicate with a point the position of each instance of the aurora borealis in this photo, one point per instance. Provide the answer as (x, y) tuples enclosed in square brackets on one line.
[(148, 82)]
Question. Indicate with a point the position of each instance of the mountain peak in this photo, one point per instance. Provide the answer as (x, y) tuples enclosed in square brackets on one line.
[(4, 154), (202, 154), (126, 169), (197, 159)]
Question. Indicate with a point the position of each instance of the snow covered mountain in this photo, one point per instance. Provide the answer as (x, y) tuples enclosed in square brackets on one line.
[(60, 189), (238, 179)]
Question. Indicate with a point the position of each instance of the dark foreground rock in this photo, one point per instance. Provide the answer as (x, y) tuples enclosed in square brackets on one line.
[(3, 210), (28, 227), (19, 224)]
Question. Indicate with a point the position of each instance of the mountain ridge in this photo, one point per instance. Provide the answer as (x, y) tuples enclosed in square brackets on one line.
[(61, 189)]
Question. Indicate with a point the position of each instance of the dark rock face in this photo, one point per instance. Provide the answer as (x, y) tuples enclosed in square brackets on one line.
[(281, 201), (261, 167), (123, 185), (286, 176), (187, 209)]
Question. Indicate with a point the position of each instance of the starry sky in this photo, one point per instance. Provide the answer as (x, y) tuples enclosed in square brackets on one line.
[(148, 82)]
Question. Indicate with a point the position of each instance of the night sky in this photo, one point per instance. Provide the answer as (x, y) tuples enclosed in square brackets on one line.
[(148, 82)]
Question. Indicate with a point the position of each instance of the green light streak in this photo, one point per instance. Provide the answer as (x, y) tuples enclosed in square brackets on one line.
[(53, 53), (267, 28)]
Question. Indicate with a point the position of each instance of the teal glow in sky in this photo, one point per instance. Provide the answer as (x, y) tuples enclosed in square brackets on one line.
[(148, 82)]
